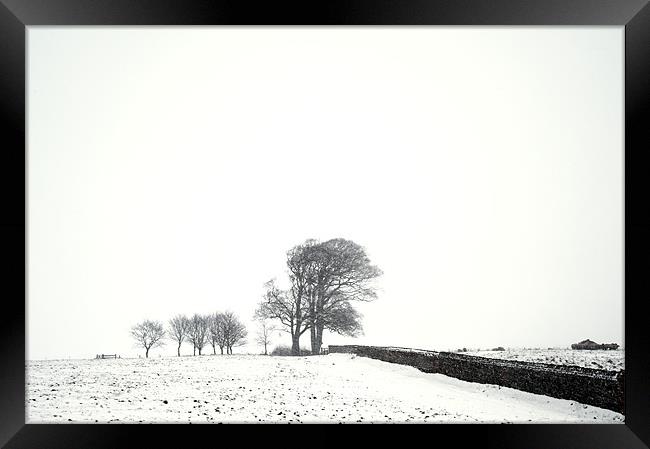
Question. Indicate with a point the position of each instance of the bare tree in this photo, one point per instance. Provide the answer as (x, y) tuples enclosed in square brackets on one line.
[(237, 336), (222, 332), (325, 278), (216, 332), (341, 273), (198, 332), (234, 331), (264, 332), (287, 307), (179, 327), (148, 334)]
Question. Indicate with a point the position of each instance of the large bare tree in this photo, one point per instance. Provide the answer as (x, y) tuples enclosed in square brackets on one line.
[(198, 332), (326, 278), (148, 334), (341, 273), (178, 329), (288, 308)]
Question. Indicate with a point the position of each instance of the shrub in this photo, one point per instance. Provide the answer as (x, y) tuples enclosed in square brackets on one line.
[(500, 348), (284, 350), (281, 350)]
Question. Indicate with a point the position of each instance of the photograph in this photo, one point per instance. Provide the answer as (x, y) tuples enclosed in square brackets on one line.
[(302, 225), (381, 217)]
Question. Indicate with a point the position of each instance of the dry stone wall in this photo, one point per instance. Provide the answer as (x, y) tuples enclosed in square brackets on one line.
[(596, 387)]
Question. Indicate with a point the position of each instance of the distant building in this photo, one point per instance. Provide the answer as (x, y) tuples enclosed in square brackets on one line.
[(588, 344), (585, 344)]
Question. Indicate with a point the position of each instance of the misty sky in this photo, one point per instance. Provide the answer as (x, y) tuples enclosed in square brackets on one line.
[(170, 169)]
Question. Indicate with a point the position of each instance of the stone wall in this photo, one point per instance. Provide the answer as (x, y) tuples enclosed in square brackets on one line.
[(596, 387)]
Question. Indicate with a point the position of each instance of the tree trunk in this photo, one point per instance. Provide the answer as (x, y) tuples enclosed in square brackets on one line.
[(200, 351), (319, 337), (221, 347), (179, 350), (146, 354), (265, 353), (313, 338), (319, 327), (295, 344), (194, 350), (312, 322)]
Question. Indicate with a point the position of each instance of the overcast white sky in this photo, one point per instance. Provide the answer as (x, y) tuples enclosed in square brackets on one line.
[(170, 169)]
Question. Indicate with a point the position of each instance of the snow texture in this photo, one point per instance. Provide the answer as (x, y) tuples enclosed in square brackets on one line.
[(251, 388), (609, 360)]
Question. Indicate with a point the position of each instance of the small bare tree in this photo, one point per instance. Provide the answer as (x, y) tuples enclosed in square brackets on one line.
[(237, 335), (148, 334), (179, 327), (264, 332), (221, 332), (234, 332), (198, 332), (216, 332)]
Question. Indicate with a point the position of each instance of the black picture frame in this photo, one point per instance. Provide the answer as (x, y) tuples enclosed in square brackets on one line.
[(634, 15)]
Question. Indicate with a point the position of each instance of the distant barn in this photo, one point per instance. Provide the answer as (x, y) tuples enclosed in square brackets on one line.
[(588, 344)]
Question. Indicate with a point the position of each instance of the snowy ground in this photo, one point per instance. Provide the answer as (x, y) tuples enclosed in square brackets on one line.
[(599, 359), (240, 388)]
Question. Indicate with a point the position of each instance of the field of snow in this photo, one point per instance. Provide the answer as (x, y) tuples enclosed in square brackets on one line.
[(250, 388), (599, 359)]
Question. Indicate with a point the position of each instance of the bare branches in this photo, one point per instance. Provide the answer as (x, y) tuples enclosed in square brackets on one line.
[(234, 331), (148, 334), (339, 272), (264, 332), (343, 319), (178, 329), (216, 332), (277, 304), (220, 329), (198, 332), (288, 307), (226, 331), (325, 278)]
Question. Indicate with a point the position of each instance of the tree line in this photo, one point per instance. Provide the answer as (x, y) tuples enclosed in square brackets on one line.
[(325, 278), (222, 330)]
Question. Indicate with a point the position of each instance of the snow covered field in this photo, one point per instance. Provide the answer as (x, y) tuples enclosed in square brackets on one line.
[(598, 359), (250, 388)]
